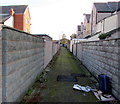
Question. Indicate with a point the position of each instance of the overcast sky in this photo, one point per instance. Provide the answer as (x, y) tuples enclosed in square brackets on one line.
[(55, 17)]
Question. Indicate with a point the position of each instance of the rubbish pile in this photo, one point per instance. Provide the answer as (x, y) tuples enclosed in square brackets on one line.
[(103, 97), (103, 94), (78, 87), (99, 94)]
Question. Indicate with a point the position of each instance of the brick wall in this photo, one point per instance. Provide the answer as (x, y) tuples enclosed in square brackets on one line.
[(18, 21), (23, 59), (102, 57)]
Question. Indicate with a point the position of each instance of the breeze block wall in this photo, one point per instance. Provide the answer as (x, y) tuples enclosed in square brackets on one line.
[(22, 61), (102, 57), (0, 65), (74, 49), (47, 50), (55, 48)]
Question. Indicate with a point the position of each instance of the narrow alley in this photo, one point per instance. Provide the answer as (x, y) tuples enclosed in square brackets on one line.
[(52, 90), (61, 51)]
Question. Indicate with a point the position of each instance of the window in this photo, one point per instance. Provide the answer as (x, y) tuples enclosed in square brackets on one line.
[(26, 21)]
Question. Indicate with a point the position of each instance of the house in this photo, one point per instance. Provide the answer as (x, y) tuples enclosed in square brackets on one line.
[(64, 42), (83, 30), (86, 31), (109, 24), (7, 19), (99, 12), (80, 29), (20, 14)]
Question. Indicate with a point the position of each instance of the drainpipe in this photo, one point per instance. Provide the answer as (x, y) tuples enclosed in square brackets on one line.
[(76, 49), (43, 51)]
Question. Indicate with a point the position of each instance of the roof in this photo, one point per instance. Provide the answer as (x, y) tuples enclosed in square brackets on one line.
[(16, 8), (43, 35), (118, 7), (87, 17), (6, 9), (113, 5), (64, 39), (3, 18), (106, 7)]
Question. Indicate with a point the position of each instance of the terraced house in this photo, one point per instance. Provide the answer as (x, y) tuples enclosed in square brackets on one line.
[(101, 11), (17, 16), (104, 18)]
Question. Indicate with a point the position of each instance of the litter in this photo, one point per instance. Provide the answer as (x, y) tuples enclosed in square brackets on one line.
[(47, 70), (104, 83), (103, 97), (78, 87)]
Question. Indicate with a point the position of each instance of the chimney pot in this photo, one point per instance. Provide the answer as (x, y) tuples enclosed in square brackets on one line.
[(12, 12)]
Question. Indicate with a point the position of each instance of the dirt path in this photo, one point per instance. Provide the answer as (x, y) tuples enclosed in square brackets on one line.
[(61, 91)]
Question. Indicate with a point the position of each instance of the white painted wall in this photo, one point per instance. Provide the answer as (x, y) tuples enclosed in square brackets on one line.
[(94, 38), (99, 26), (9, 22), (73, 41), (118, 18), (108, 24)]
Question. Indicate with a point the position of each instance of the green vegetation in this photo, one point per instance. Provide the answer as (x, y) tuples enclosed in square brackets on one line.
[(29, 92), (102, 36)]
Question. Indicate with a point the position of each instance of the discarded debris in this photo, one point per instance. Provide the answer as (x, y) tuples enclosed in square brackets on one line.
[(78, 75), (47, 70), (104, 83), (67, 78), (103, 97), (78, 87)]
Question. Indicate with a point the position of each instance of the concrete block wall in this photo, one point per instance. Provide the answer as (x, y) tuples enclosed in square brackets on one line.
[(74, 49), (79, 51), (47, 51), (68, 46), (102, 57), (55, 48), (23, 60), (50, 48), (0, 65)]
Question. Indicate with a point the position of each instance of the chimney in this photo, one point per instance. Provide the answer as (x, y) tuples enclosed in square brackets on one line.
[(82, 27), (12, 12)]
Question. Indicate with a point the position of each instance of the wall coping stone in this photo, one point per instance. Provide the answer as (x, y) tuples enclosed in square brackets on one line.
[(99, 40), (7, 27)]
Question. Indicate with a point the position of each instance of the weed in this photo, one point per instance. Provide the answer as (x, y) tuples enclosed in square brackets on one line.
[(29, 92), (102, 36)]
